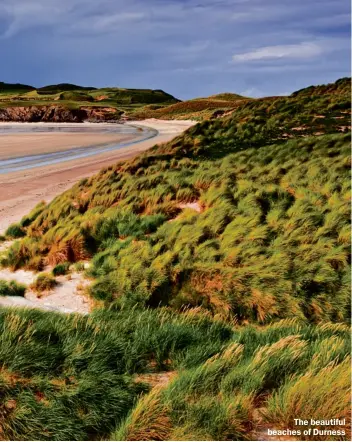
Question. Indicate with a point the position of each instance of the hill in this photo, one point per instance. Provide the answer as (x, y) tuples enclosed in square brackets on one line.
[(63, 87), (8, 88), (221, 265), (116, 101), (251, 175), (223, 104), (196, 109)]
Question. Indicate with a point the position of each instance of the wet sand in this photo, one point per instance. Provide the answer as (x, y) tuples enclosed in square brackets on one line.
[(18, 145), (21, 191)]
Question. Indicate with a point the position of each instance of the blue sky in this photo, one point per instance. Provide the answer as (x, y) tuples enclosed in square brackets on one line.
[(187, 47)]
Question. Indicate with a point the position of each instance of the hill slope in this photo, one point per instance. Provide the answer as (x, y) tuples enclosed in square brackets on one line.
[(196, 109), (221, 262), (271, 202), (325, 97)]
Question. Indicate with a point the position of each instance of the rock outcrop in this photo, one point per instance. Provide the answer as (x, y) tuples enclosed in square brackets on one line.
[(58, 114)]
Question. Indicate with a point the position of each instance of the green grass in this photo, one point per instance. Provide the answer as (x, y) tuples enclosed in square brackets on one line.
[(72, 97), (241, 299), (70, 377), (246, 388), (271, 241), (11, 288), (43, 282), (61, 269), (15, 231), (74, 377)]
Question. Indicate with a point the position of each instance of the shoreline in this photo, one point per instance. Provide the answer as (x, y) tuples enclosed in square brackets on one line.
[(21, 191)]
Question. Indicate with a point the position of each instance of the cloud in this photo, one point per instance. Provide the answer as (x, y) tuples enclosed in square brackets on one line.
[(298, 51), (187, 47)]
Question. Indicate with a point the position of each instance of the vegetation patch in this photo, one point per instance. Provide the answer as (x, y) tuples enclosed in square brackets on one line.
[(12, 288), (44, 282), (73, 376), (221, 262), (61, 269), (15, 231)]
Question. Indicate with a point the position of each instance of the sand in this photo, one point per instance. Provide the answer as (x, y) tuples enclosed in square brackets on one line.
[(66, 297), (23, 144), (21, 191)]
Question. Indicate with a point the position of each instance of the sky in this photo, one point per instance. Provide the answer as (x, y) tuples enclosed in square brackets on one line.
[(188, 48)]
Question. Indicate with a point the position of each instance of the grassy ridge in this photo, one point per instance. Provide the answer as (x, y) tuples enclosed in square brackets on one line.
[(223, 262), (330, 101), (197, 109), (269, 238), (73, 96)]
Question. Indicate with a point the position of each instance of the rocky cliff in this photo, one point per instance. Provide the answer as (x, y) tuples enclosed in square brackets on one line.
[(59, 114)]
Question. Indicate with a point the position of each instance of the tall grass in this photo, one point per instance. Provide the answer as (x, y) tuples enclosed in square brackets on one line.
[(70, 377), (325, 392), (222, 256), (270, 241), (264, 377)]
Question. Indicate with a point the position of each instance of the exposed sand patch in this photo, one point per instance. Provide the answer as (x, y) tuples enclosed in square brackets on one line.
[(195, 206), (159, 379), (66, 297)]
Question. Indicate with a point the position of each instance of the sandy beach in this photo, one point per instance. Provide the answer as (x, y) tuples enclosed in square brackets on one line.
[(21, 191), (21, 144)]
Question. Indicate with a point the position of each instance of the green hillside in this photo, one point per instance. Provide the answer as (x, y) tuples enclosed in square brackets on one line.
[(73, 96), (221, 265), (328, 98), (196, 109)]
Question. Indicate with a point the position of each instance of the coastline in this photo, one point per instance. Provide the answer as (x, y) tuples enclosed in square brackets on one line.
[(21, 191)]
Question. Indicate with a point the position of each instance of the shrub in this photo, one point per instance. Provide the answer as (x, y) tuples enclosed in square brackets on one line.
[(43, 282), (12, 288), (15, 231), (61, 269), (79, 266)]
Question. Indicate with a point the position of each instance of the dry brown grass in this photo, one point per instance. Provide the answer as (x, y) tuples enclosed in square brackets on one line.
[(150, 420)]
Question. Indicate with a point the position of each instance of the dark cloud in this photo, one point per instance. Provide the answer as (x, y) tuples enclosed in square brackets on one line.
[(186, 47)]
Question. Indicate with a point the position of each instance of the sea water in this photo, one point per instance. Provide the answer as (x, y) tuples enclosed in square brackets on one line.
[(26, 162)]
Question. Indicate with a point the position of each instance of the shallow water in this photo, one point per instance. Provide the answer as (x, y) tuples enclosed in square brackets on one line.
[(31, 161)]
